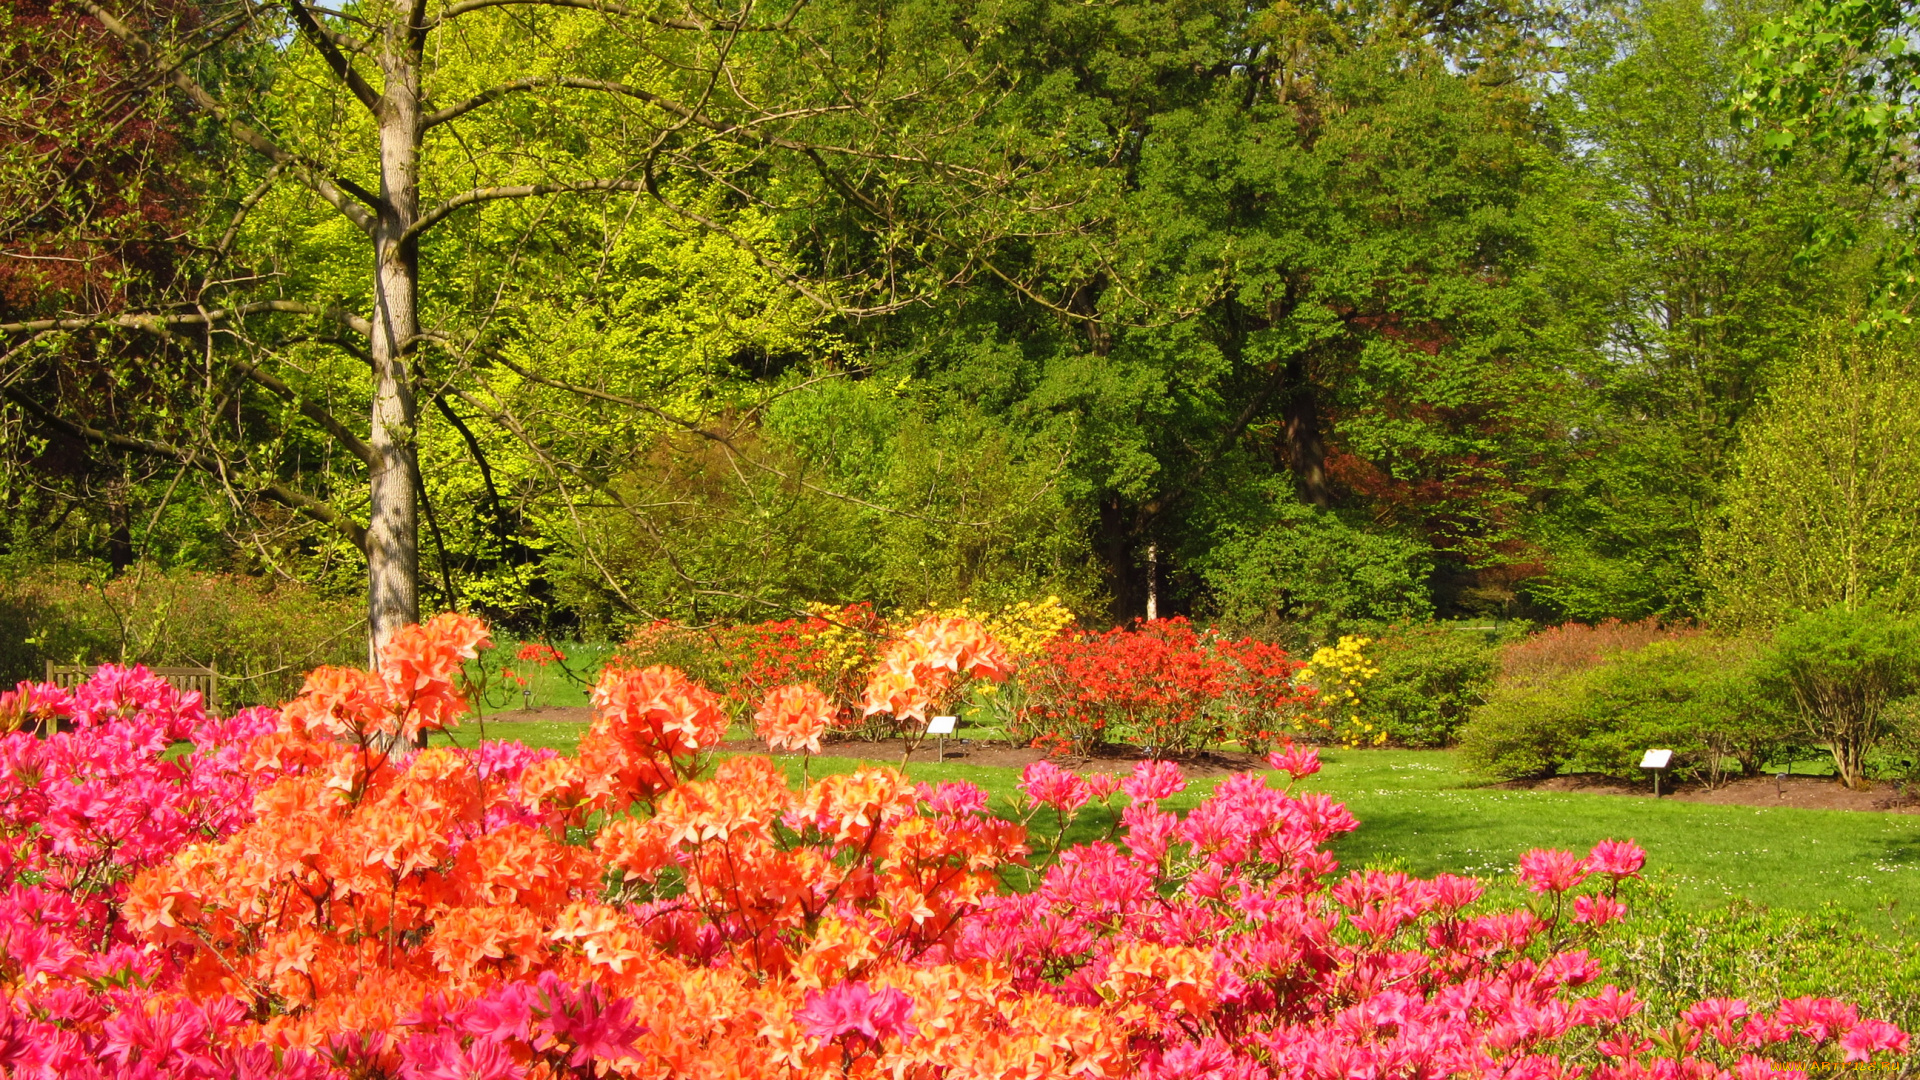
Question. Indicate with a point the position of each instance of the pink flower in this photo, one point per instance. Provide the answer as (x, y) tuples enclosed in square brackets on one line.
[(852, 1008), (1616, 858), (1150, 832), (1868, 1036), (1153, 780), (1818, 1019), (1103, 785), (1716, 1016), (1547, 870), (953, 798), (1451, 892), (1597, 910), (1298, 762), (1048, 784), (1610, 1006)]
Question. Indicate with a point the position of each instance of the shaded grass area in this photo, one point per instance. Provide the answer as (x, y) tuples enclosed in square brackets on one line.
[(562, 684), (1419, 811)]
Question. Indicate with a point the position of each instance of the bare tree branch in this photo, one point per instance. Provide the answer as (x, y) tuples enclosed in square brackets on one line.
[(335, 190), (272, 490), (159, 322), (607, 7), (434, 216), (310, 409), (343, 69)]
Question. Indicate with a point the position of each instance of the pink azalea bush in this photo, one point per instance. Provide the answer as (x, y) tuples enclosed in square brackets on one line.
[(1215, 943)]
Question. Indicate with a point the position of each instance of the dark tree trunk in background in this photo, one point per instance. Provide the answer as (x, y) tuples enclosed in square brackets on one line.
[(1306, 449)]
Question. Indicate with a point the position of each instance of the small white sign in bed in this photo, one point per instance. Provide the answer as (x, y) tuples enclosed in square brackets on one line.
[(1656, 759), (941, 725)]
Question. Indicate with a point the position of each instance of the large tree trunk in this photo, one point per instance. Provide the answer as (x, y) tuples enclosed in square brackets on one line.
[(1306, 450), (393, 533)]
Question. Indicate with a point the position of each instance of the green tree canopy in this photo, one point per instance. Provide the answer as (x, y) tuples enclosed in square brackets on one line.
[(1824, 505)]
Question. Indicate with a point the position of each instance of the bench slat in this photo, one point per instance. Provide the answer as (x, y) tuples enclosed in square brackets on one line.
[(204, 679)]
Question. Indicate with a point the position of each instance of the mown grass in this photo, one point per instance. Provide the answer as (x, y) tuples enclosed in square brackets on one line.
[(560, 684), (1421, 812)]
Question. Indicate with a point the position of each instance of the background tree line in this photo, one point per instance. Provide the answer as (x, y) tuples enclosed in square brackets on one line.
[(577, 314)]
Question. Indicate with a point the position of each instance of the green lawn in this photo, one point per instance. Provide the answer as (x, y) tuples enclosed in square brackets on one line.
[(564, 683), (1420, 812)]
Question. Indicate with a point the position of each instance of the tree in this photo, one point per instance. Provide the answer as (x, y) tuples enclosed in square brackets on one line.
[(373, 110), (1676, 243), (1842, 665), (1823, 507), (1316, 274), (1844, 74)]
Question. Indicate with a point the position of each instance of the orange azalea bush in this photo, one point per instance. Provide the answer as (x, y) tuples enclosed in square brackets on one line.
[(328, 902), (794, 718)]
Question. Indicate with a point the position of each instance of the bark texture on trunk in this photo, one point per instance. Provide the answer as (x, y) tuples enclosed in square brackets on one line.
[(1306, 449), (393, 535)]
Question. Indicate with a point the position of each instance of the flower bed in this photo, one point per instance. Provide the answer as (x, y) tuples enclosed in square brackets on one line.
[(301, 896)]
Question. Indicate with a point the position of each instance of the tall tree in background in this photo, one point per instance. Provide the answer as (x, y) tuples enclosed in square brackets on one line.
[(1843, 77), (380, 111), (1678, 247), (1823, 509), (1312, 297), (99, 199)]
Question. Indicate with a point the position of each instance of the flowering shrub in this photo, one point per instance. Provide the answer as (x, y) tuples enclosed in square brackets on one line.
[(1163, 683), (1024, 629), (303, 896), (1339, 674), (831, 648)]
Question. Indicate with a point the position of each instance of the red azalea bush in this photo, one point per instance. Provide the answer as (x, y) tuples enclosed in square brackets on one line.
[(1163, 683), (830, 649), (301, 896)]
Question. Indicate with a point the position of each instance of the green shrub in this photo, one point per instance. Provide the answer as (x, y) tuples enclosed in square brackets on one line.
[(1528, 729), (1430, 678), (1841, 667), (1699, 697), (1564, 707), (1676, 956), (1898, 757), (263, 636), (1537, 716)]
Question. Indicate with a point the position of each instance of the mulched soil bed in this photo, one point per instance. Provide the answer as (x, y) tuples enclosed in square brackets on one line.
[(1112, 759), (1804, 792)]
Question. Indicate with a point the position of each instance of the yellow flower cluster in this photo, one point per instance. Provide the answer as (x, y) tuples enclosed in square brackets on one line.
[(1023, 629), (1339, 673), (846, 648)]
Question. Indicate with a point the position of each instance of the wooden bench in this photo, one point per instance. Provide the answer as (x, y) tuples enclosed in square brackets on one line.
[(204, 679)]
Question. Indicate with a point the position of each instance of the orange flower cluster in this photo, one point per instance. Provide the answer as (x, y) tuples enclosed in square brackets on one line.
[(794, 717), (917, 669), (648, 728), (365, 891), (416, 689)]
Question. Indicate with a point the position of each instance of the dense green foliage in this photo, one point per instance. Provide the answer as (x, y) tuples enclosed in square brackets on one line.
[(1840, 667), (1429, 680), (1309, 319), (1821, 509), (1707, 699), (261, 637)]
